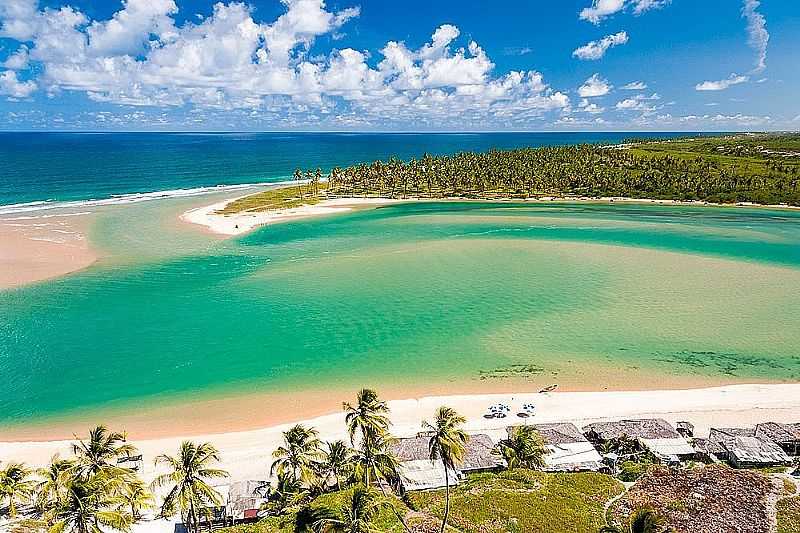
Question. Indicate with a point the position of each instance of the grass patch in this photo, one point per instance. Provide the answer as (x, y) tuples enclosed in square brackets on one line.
[(789, 515), (278, 198), (524, 500)]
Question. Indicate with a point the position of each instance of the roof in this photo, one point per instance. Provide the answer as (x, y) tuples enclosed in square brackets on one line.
[(424, 474), (753, 450), (669, 447), (721, 434), (559, 433), (572, 456), (646, 428), (778, 432), (478, 452)]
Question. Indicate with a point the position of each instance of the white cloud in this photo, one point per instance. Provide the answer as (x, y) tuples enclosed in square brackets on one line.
[(590, 107), (601, 9), (228, 61), (11, 86), (597, 49), (732, 120), (594, 86), (634, 86), (758, 36), (130, 29), (721, 85), (638, 103), (18, 60)]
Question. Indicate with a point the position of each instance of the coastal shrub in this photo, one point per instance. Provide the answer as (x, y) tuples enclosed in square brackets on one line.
[(524, 500), (297, 522), (630, 471), (789, 515)]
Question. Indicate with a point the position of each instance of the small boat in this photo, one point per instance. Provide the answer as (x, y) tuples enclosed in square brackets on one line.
[(549, 388)]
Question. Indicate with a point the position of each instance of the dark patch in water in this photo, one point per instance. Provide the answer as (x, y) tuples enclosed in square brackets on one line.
[(725, 363), (510, 371)]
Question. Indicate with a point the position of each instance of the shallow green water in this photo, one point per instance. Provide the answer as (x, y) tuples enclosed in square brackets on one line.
[(407, 294)]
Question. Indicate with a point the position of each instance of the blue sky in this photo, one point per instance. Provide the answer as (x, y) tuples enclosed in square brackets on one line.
[(399, 66)]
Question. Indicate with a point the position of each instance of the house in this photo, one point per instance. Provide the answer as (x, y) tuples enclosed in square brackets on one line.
[(418, 472), (245, 499), (743, 448), (569, 450), (653, 434), (787, 436)]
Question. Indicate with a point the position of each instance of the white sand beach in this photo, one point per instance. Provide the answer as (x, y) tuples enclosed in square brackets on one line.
[(243, 222), (246, 454)]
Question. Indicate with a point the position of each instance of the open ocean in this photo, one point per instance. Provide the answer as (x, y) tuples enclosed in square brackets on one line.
[(59, 167)]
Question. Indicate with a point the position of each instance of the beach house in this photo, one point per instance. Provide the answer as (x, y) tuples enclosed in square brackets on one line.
[(744, 448), (418, 472), (245, 499), (787, 436), (652, 434), (568, 449)]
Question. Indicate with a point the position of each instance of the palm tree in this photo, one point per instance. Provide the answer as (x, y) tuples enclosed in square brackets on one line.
[(136, 498), (299, 455), (448, 444), (288, 492), (375, 462), (524, 448), (16, 487), (368, 416), (54, 482), (298, 177), (338, 461), (643, 520), (356, 516), (190, 492), (87, 506), (100, 451)]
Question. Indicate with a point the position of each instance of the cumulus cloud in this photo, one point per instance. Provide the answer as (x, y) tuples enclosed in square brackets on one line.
[(634, 86), (758, 36), (721, 85), (230, 61), (18, 60), (638, 103), (12, 87), (601, 9), (595, 50), (590, 107), (594, 86)]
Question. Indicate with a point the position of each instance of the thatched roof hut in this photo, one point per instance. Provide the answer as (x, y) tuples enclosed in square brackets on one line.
[(743, 448), (418, 472), (654, 434), (569, 450)]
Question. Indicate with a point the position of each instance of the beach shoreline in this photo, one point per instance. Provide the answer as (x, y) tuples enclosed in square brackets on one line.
[(34, 249), (245, 454), (210, 218)]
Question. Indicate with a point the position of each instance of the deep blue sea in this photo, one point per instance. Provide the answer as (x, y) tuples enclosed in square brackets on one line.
[(58, 167)]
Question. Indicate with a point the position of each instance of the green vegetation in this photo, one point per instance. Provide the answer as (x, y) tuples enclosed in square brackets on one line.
[(789, 515), (448, 445), (278, 198), (525, 500), (524, 448), (189, 491), (763, 169)]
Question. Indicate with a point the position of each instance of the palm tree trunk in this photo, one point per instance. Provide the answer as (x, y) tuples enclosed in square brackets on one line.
[(446, 497), (396, 514)]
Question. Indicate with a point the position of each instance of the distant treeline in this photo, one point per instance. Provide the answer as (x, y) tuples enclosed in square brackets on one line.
[(725, 170)]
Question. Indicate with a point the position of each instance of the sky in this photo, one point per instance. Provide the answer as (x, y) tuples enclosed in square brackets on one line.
[(410, 65)]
